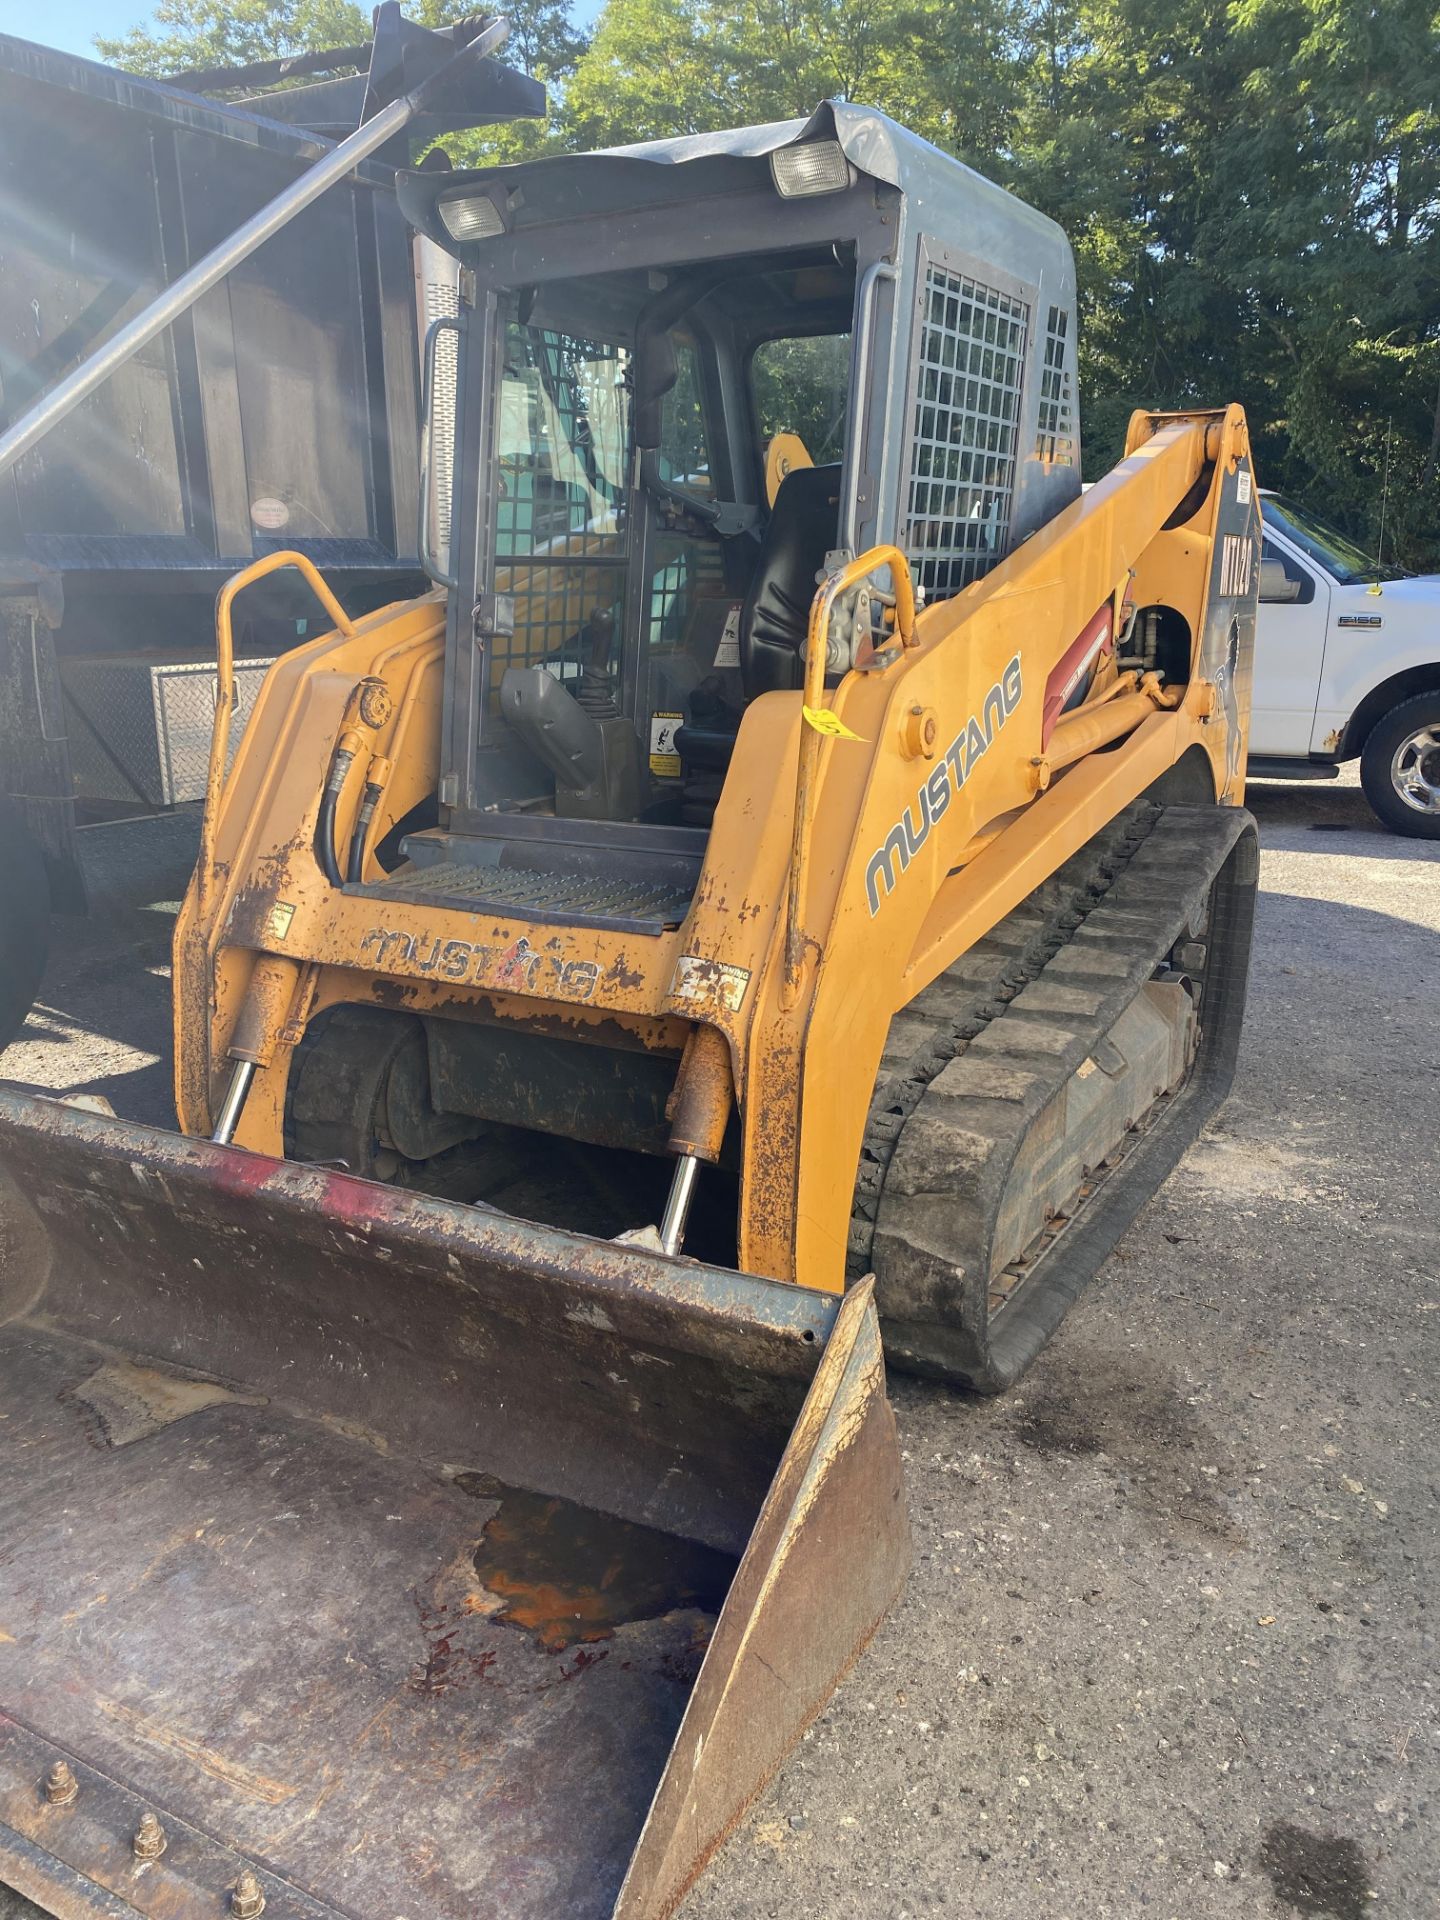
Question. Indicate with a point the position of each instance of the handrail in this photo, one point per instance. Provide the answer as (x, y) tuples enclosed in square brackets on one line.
[(444, 323), (816, 643), (225, 688), (865, 303)]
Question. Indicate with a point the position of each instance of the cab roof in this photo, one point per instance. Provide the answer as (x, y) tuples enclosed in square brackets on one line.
[(943, 193)]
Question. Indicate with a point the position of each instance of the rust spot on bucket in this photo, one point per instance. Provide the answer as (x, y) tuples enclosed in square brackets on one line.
[(568, 1574), (448, 1664)]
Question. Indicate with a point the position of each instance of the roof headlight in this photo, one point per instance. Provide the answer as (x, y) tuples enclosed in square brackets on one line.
[(470, 216), (816, 166)]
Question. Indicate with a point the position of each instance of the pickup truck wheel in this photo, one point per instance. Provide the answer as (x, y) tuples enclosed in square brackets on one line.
[(24, 921), (1400, 767)]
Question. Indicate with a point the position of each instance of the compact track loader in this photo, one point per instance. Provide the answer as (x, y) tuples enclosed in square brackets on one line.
[(786, 885)]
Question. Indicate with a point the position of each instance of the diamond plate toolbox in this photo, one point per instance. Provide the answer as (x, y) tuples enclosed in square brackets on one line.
[(139, 725)]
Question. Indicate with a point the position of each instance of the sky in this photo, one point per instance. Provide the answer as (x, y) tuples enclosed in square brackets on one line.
[(73, 24), (70, 24)]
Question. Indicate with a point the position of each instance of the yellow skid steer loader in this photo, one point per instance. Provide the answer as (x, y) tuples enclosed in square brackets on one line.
[(785, 887)]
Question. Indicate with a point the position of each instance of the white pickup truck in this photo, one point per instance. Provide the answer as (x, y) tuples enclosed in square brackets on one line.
[(1347, 666)]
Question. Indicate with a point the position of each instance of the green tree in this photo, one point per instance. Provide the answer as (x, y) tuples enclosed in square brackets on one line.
[(1119, 144), (661, 67), (1337, 205), (543, 39), (1251, 187), (545, 43), (185, 34), (231, 33)]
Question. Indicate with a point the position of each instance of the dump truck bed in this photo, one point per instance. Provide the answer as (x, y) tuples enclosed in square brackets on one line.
[(388, 1548)]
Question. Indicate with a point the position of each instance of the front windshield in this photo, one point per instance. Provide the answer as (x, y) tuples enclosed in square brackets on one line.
[(1335, 551), (562, 446)]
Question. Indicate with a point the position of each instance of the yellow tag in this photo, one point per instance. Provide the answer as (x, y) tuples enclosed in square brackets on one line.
[(824, 721)]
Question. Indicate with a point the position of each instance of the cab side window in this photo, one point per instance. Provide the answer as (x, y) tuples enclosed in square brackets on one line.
[(687, 563), (802, 386), (684, 450)]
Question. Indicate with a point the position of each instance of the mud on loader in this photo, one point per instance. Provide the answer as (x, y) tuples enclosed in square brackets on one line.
[(787, 883)]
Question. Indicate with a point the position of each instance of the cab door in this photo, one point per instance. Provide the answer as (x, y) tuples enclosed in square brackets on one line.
[(1289, 650)]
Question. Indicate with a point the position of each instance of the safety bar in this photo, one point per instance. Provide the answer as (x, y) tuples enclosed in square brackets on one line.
[(225, 687), (816, 644)]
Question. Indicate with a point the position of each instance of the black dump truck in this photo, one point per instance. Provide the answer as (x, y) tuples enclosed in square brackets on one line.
[(281, 410)]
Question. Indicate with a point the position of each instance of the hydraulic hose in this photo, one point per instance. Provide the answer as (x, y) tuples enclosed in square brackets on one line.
[(346, 748), (325, 839), (375, 779)]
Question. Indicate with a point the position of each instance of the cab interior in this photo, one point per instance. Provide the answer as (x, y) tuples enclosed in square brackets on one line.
[(667, 464)]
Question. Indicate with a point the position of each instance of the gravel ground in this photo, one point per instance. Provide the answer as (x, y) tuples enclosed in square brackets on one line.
[(1169, 1645)]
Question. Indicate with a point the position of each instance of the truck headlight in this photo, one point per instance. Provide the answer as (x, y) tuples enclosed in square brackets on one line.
[(816, 166)]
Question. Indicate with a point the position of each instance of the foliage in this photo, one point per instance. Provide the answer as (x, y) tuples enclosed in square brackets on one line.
[(232, 33), (1252, 187), (801, 386), (1263, 185), (545, 41)]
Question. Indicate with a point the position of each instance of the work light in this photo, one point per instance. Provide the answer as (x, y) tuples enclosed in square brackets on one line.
[(471, 216), (816, 166)]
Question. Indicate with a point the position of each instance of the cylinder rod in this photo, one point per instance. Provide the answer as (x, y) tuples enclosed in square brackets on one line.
[(677, 1206), (184, 292), (234, 1102)]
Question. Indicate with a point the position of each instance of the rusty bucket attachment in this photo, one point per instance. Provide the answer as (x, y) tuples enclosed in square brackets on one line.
[(363, 1552)]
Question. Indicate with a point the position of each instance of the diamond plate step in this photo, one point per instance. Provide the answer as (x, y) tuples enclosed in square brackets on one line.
[(568, 899)]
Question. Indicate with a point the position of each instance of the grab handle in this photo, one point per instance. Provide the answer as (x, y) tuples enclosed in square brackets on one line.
[(225, 687), (816, 645)]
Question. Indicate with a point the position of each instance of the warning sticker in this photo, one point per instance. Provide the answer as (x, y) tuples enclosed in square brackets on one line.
[(727, 654), (1242, 487), (710, 982), (277, 921), (664, 759)]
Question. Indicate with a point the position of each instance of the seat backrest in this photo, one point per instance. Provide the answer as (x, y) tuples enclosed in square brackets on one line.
[(803, 528)]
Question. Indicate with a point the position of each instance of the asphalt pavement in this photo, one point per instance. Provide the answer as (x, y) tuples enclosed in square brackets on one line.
[(1169, 1644)]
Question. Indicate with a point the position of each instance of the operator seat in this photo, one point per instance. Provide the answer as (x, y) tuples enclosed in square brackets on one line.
[(803, 527)]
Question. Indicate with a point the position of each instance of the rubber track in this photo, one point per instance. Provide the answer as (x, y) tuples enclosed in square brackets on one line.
[(955, 1009), (985, 1049)]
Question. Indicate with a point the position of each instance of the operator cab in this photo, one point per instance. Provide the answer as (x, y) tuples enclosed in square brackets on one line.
[(689, 377), (653, 588)]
